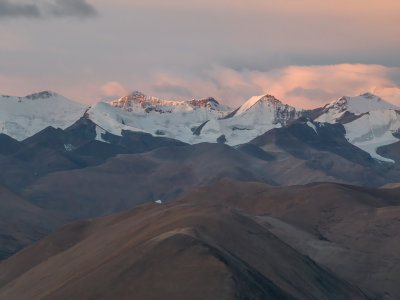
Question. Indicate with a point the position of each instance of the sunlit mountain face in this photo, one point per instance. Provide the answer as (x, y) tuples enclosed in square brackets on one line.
[(199, 150)]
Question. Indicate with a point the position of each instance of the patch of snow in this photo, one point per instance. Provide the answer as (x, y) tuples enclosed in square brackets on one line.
[(331, 116), (99, 134), (110, 119), (68, 147), (374, 130), (158, 201), (372, 145), (312, 126)]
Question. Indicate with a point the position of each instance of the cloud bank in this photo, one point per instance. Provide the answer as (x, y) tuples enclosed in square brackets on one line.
[(301, 86), (112, 90), (43, 9)]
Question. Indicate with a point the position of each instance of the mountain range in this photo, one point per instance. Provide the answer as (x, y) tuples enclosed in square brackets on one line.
[(315, 191), (369, 121)]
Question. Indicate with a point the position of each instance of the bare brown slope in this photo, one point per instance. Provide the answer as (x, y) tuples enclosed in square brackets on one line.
[(351, 230), (170, 172), (21, 223), (175, 251)]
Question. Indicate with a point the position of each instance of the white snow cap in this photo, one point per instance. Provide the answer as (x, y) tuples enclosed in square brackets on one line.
[(362, 104), (22, 117), (374, 130), (265, 100), (358, 105)]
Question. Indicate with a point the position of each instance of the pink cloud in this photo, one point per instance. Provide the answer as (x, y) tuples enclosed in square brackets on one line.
[(113, 89), (302, 86)]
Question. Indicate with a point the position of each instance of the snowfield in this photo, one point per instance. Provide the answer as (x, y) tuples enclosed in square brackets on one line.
[(373, 130), (22, 117)]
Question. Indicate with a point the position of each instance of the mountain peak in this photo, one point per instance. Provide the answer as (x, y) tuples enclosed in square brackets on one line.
[(361, 104), (136, 94), (139, 97), (265, 100), (135, 99), (369, 96), (271, 99), (208, 102), (41, 95)]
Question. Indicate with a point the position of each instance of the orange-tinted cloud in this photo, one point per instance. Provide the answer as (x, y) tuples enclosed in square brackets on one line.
[(301, 86), (113, 89)]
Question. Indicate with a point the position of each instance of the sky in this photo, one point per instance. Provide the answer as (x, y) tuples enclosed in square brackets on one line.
[(306, 53)]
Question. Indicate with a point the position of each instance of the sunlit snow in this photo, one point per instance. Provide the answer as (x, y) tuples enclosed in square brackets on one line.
[(312, 126), (254, 118)]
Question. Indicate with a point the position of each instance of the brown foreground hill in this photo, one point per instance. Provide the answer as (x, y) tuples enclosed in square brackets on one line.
[(229, 240)]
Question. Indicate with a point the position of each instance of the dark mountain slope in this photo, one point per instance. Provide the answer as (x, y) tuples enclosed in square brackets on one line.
[(128, 180), (320, 152), (391, 151), (300, 136), (52, 150), (8, 145)]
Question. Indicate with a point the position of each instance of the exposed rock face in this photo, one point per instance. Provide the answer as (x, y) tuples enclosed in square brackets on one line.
[(137, 100)]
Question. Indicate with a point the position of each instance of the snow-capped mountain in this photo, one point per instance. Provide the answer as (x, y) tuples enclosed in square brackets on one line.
[(137, 102), (346, 108), (21, 117), (370, 121), (173, 119), (268, 104), (193, 121), (373, 130), (256, 116)]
